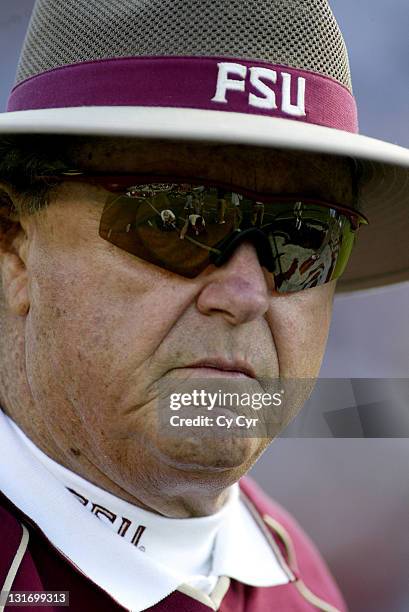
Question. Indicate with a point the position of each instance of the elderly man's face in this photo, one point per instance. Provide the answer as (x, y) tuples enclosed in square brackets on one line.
[(98, 327)]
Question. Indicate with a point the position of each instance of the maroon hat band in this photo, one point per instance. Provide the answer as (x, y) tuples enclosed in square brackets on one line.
[(207, 83)]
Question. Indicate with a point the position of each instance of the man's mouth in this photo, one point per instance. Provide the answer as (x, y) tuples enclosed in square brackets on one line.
[(222, 367)]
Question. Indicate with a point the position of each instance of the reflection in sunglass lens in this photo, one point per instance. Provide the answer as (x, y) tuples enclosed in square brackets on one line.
[(184, 228)]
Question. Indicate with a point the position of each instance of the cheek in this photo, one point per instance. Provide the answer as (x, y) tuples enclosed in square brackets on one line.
[(69, 357), (300, 325), (95, 319)]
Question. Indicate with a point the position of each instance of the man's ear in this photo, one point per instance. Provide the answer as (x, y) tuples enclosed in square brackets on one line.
[(12, 257)]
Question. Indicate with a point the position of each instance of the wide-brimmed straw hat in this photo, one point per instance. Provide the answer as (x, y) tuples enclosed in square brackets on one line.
[(270, 73)]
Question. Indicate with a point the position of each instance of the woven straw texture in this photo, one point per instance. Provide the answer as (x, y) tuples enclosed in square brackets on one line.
[(299, 33)]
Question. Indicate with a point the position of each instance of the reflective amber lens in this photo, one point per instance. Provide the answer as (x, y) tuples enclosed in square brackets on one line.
[(184, 228)]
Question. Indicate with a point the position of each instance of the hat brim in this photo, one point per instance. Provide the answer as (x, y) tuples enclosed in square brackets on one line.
[(381, 255)]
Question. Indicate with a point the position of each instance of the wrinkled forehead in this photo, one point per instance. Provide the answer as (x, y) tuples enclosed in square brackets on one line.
[(256, 168)]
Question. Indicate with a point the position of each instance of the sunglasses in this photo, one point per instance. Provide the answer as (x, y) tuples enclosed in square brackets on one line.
[(185, 227)]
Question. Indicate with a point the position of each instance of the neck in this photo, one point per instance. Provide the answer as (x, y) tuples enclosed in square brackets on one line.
[(171, 498)]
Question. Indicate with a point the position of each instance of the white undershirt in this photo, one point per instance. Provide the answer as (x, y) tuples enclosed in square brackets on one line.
[(155, 554)]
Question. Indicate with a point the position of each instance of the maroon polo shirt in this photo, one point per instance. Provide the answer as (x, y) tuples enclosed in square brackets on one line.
[(44, 569)]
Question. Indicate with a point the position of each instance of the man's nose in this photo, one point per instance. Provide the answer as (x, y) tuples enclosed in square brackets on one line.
[(240, 290)]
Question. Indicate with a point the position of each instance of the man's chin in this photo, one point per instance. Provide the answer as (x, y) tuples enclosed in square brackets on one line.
[(209, 455)]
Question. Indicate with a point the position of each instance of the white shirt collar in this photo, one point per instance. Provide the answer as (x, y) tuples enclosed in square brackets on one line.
[(192, 551)]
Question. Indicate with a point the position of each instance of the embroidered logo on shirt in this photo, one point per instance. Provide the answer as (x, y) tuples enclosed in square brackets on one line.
[(123, 526)]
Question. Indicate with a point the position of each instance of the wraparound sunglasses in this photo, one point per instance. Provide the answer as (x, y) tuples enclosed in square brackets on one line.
[(185, 227)]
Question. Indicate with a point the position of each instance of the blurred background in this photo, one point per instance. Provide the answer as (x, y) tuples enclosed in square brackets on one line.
[(350, 495)]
